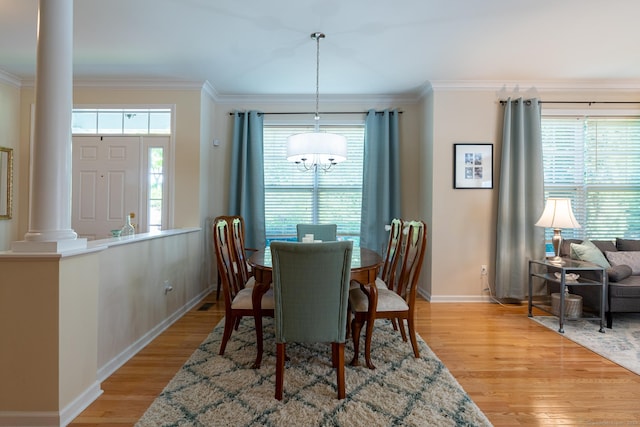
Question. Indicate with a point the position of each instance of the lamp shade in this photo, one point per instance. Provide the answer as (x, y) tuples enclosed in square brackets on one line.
[(558, 214), (317, 148)]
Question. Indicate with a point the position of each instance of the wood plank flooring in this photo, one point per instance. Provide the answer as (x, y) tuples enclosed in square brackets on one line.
[(518, 372)]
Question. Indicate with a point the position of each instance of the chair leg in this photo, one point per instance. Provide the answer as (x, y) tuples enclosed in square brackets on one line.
[(280, 356), (229, 322), (401, 327), (367, 343), (237, 325), (412, 335), (356, 326), (338, 354)]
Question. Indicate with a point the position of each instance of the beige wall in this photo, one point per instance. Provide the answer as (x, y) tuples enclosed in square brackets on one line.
[(463, 222), (186, 192), (10, 138)]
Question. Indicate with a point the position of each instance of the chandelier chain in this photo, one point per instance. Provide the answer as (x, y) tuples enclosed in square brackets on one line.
[(317, 37)]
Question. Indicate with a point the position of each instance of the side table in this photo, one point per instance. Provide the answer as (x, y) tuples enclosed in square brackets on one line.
[(545, 269)]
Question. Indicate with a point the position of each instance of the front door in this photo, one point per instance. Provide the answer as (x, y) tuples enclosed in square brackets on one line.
[(106, 183)]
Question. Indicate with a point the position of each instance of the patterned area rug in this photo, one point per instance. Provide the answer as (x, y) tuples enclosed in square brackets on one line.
[(213, 390), (621, 344)]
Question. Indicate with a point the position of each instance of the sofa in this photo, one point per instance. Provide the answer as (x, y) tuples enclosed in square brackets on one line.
[(622, 262)]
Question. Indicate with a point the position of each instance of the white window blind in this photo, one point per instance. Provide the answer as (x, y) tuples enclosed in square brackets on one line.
[(595, 161), (293, 196)]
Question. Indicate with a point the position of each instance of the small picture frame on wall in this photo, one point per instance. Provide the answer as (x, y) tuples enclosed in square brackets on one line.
[(473, 166)]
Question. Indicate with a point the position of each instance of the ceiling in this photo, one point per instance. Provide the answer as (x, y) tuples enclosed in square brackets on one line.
[(377, 47)]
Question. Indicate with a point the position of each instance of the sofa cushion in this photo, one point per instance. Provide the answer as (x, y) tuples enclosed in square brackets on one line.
[(630, 258), (605, 245), (627, 244), (589, 252), (565, 246), (618, 272)]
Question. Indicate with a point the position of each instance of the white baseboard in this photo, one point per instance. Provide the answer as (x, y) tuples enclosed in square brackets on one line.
[(114, 364), (31, 419), (453, 298), (80, 403)]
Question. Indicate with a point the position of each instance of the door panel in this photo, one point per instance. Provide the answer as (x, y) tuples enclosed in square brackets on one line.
[(106, 183)]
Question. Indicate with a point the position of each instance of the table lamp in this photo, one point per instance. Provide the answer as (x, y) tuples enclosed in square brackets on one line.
[(557, 214)]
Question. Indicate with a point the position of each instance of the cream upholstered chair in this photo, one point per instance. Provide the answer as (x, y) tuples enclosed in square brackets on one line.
[(324, 232), (396, 302), (237, 297), (311, 288)]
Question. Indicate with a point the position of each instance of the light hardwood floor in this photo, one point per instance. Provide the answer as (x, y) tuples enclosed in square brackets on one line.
[(518, 372)]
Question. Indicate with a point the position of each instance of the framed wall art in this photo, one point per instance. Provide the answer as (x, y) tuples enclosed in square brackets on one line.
[(473, 166)]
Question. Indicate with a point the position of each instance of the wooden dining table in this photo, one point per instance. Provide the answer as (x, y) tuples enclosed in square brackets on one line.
[(365, 264)]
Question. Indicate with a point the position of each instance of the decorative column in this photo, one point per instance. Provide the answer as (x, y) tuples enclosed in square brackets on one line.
[(50, 183)]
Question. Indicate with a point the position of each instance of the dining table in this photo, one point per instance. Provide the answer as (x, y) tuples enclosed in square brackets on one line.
[(365, 265)]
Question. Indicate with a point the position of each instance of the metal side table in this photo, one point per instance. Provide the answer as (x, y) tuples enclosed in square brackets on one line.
[(546, 269)]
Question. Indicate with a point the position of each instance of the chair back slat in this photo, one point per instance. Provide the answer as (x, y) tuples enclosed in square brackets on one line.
[(225, 260), (412, 259), (392, 253)]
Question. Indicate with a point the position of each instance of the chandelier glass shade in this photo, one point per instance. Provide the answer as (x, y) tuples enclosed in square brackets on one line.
[(317, 150)]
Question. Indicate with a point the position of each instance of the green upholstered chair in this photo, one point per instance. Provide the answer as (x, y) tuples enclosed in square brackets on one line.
[(311, 289), (237, 296), (324, 232), (396, 302)]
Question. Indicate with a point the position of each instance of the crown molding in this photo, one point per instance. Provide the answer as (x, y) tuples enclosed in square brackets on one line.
[(544, 85), (309, 99), (10, 79), (141, 84)]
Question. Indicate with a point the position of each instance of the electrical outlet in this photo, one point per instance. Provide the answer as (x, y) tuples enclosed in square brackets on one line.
[(483, 270)]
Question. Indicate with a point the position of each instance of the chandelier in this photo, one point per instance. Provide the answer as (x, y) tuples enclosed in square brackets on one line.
[(316, 150)]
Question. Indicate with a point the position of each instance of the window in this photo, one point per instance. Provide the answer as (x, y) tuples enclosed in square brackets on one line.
[(293, 196), (595, 161), (119, 121)]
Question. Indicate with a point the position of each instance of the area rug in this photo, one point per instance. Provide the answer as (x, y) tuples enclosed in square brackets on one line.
[(620, 344), (214, 390)]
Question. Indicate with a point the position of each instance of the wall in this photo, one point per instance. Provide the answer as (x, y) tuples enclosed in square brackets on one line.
[(10, 138), (409, 134), (463, 221), (186, 191), (133, 305)]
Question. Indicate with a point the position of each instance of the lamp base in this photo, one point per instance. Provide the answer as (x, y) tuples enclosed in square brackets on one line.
[(557, 244)]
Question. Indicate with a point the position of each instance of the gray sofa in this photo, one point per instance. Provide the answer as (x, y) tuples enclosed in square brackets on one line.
[(623, 293)]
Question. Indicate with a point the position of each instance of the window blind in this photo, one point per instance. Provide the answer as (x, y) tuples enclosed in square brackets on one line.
[(595, 161), (293, 196)]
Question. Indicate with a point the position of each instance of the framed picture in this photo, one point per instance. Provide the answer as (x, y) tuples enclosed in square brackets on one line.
[(473, 166)]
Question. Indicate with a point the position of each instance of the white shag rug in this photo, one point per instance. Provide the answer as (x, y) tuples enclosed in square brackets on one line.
[(214, 390)]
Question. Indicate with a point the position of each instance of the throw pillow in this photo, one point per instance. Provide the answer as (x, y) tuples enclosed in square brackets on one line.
[(628, 245), (587, 251), (619, 272), (630, 258)]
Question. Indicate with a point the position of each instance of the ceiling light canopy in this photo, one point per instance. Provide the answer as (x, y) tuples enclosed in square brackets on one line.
[(313, 150)]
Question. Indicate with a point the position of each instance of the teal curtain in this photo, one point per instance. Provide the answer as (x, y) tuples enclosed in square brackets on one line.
[(381, 177), (520, 199), (246, 192)]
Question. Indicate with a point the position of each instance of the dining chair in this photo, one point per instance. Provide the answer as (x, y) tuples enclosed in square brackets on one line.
[(369, 303), (236, 222), (311, 289), (324, 232), (237, 297)]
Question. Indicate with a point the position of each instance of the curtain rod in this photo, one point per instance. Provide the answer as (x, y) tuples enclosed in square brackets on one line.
[(504, 101), (312, 112)]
